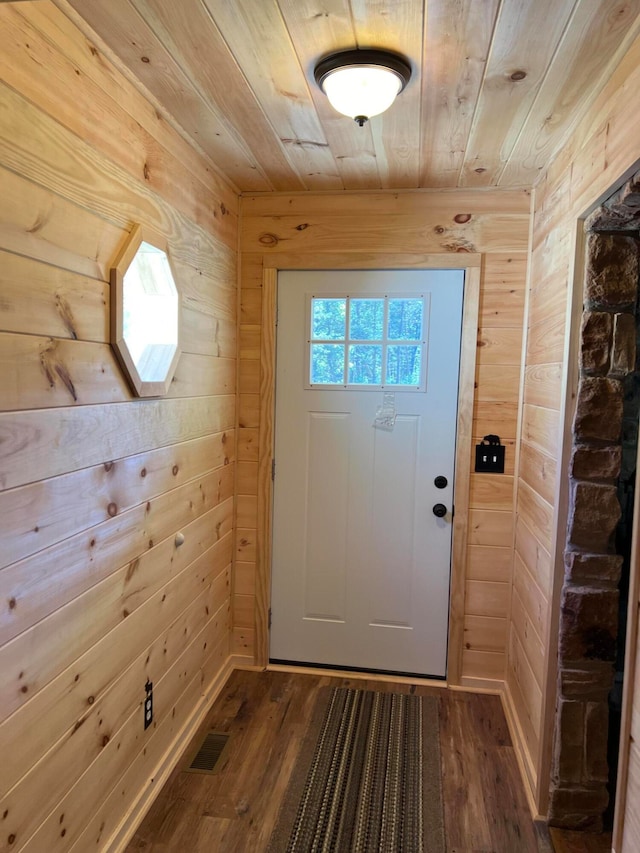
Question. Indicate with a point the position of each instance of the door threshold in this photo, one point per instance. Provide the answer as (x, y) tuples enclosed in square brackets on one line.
[(358, 675)]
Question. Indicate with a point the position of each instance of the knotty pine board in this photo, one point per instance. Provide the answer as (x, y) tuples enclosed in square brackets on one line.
[(36, 586), (486, 413), (250, 31), (534, 556), (42, 443), (485, 633), (536, 513), (138, 785), (533, 598), (66, 699), (540, 428), (39, 372), (523, 675), (95, 492), (487, 598), (186, 103), (404, 233), (96, 484), (453, 71), (490, 527), (528, 636), (358, 204), (37, 655), (599, 152), (125, 744), (113, 710), (492, 137), (489, 563), (538, 470), (116, 94)]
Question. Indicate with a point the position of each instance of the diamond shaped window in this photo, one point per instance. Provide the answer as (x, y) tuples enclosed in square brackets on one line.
[(145, 314)]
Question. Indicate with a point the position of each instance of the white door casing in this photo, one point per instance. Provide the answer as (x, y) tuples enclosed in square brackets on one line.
[(360, 564)]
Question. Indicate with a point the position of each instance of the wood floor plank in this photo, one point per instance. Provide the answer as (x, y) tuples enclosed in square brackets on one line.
[(266, 715)]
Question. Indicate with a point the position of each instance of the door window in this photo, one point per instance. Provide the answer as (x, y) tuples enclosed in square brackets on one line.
[(368, 342)]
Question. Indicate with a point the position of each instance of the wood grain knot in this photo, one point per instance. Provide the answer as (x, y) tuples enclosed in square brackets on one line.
[(143, 473), (439, 229), (268, 239), (132, 569), (302, 227), (108, 466), (175, 470), (112, 509), (12, 603), (480, 170), (518, 75), (461, 218)]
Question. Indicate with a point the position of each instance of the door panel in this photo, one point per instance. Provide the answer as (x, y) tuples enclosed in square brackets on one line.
[(326, 557), (361, 565), (394, 494)]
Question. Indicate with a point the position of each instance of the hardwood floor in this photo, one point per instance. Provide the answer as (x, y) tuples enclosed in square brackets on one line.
[(266, 714)]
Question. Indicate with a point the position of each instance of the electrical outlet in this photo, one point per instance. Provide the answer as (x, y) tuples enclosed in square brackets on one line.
[(148, 704), (490, 455)]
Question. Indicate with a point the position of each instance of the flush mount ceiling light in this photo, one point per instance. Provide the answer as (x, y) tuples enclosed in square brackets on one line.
[(362, 83)]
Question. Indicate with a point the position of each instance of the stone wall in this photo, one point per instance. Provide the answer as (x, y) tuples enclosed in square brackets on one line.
[(589, 603)]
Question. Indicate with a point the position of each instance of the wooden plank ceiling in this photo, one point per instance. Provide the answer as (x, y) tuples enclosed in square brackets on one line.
[(496, 86)]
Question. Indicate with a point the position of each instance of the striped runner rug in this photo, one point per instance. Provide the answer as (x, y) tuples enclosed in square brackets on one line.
[(367, 779)]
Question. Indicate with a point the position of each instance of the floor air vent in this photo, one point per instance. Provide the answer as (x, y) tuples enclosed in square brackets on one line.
[(208, 756)]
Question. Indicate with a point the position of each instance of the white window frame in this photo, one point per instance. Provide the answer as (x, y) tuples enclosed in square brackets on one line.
[(384, 342)]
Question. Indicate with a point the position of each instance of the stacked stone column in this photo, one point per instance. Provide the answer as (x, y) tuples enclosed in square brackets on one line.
[(589, 603)]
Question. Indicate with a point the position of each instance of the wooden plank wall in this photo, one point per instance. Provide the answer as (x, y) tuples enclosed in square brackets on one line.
[(403, 227), (96, 598), (603, 148)]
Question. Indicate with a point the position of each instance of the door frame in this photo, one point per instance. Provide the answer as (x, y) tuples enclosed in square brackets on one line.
[(470, 263)]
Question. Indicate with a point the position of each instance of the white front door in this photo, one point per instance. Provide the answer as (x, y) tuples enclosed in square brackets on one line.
[(365, 432)]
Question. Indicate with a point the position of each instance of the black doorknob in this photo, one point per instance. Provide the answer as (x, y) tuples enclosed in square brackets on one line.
[(440, 510), (441, 482)]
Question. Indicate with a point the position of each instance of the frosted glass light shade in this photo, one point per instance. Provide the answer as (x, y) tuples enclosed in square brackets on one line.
[(361, 91), (362, 83)]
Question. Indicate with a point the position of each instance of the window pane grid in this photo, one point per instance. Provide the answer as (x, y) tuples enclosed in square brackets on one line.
[(386, 357)]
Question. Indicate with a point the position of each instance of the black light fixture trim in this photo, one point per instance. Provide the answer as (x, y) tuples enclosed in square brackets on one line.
[(371, 57)]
